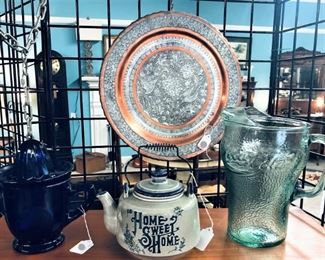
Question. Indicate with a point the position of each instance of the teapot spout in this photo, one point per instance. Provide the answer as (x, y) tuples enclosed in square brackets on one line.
[(110, 211)]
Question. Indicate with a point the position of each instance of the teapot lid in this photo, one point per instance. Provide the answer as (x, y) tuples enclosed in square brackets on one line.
[(159, 187)]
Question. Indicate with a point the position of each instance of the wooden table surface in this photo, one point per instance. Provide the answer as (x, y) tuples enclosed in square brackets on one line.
[(305, 240)]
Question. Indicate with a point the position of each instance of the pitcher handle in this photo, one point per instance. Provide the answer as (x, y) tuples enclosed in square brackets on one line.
[(299, 192), (90, 195)]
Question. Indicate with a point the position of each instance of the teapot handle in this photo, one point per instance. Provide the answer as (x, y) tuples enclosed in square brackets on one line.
[(90, 195), (299, 192)]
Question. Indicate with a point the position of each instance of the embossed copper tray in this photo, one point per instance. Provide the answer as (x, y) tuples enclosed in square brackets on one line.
[(165, 79)]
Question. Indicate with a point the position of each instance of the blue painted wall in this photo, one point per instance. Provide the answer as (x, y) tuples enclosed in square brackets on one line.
[(64, 39)]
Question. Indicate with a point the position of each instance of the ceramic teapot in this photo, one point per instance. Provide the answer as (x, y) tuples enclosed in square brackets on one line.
[(158, 218)]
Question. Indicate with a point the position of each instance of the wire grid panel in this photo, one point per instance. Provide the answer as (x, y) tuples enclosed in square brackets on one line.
[(258, 44)]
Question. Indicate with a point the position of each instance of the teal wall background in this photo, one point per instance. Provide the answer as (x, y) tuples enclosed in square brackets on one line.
[(238, 14)]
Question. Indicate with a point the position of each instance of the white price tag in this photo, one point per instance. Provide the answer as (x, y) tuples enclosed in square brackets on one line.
[(204, 142), (82, 247), (206, 236)]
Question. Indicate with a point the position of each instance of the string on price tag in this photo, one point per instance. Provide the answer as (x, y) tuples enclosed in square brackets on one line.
[(84, 245), (206, 234)]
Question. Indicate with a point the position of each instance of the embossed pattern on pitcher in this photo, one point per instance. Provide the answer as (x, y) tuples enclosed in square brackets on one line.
[(264, 157)]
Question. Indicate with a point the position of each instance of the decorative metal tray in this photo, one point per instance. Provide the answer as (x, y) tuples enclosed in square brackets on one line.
[(165, 79)]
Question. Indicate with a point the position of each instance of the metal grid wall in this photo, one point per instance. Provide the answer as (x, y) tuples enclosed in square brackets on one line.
[(11, 116), (293, 97), (13, 20)]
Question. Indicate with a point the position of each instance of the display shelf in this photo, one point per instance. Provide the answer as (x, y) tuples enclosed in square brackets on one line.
[(182, 165), (211, 189), (305, 240)]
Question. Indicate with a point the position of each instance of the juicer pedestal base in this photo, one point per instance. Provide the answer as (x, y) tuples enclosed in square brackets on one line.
[(28, 248)]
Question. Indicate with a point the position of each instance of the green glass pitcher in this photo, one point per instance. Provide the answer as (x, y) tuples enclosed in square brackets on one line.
[(263, 157)]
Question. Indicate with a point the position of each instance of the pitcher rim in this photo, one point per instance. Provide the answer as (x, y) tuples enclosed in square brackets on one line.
[(293, 125)]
